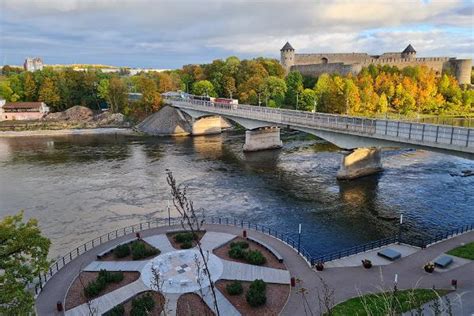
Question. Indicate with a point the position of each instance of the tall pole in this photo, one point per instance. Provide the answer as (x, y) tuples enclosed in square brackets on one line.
[(296, 100), (400, 228), (299, 237), (169, 212)]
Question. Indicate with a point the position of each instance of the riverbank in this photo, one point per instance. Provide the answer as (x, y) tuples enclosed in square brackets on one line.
[(79, 131)]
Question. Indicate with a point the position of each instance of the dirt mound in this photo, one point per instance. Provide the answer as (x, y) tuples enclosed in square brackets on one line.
[(108, 118), (76, 113), (167, 121)]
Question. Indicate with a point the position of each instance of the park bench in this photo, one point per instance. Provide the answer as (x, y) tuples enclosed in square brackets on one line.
[(389, 254), (269, 248), (443, 261), (109, 250)]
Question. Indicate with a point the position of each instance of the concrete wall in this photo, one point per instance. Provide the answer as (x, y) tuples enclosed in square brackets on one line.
[(207, 125), (21, 116), (262, 139), (359, 163)]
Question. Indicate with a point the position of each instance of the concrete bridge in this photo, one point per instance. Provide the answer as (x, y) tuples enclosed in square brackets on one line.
[(364, 137)]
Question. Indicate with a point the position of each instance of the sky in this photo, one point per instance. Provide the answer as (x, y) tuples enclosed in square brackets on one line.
[(167, 34)]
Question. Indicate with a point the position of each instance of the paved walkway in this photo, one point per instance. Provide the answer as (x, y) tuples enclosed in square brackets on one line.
[(160, 242), (347, 281), (225, 307), (212, 240), (246, 272), (116, 265)]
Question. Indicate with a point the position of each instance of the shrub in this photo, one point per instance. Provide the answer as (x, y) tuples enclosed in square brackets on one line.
[(140, 251), (256, 295), (184, 237), (186, 245), (142, 305), (234, 288), (118, 310), (121, 251), (241, 244), (93, 288), (237, 253), (255, 257)]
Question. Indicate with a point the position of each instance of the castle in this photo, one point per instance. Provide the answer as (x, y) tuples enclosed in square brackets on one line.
[(33, 64), (345, 63)]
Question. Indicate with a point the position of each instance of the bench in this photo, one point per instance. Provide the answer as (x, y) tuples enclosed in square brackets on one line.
[(389, 254), (109, 250), (272, 251), (443, 261)]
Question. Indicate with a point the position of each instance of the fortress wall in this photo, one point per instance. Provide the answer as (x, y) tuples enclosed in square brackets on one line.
[(316, 70), (350, 58), (438, 64), (391, 55), (462, 70)]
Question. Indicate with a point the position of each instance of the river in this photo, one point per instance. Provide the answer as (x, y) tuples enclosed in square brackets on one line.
[(79, 187)]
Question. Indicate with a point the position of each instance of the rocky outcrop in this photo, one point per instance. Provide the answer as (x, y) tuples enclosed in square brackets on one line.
[(168, 121)]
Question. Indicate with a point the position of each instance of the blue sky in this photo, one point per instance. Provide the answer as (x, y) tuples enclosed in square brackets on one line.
[(168, 34)]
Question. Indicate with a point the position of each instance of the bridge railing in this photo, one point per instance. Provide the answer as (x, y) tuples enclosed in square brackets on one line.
[(410, 132)]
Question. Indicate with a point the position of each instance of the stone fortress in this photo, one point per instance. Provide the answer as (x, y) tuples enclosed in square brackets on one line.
[(345, 63)]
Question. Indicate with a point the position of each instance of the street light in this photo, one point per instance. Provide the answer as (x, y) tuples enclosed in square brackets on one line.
[(299, 237), (400, 228)]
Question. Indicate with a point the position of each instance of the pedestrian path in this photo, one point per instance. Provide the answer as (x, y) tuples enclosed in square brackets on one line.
[(108, 301), (171, 303), (116, 265), (213, 240), (248, 272), (160, 242), (225, 307)]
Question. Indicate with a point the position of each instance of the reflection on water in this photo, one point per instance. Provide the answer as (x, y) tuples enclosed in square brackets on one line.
[(82, 186)]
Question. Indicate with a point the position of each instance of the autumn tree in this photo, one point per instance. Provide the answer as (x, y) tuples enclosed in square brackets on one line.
[(29, 87), (116, 95), (23, 256), (48, 93)]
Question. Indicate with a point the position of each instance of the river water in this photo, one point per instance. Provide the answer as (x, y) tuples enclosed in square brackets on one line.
[(80, 187)]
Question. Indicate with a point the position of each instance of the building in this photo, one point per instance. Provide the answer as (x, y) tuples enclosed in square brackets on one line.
[(11, 111), (345, 63), (33, 64)]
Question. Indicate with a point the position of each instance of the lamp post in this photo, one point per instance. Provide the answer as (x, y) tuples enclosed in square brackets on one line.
[(169, 212), (395, 283), (400, 228), (299, 237)]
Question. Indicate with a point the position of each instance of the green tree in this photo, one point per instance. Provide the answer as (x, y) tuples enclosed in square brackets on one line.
[(29, 87), (6, 91), (294, 84), (103, 89), (382, 105), (228, 86), (322, 89), (275, 90), (308, 100), (204, 87), (23, 256), (48, 93), (117, 95)]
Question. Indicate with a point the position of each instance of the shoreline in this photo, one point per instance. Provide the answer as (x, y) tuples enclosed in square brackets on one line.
[(73, 131)]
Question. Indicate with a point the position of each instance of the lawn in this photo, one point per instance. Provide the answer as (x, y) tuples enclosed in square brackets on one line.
[(378, 304), (466, 251)]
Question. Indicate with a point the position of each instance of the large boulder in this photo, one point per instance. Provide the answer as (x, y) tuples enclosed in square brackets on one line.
[(168, 121)]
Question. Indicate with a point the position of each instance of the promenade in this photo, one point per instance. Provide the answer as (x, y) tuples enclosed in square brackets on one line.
[(347, 281)]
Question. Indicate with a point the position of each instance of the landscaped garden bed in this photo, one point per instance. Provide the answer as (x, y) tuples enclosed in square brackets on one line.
[(192, 304), (275, 295), (184, 239), (77, 296), (402, 301), (135, 250), (466, 251), (146, 303), (229, 252)]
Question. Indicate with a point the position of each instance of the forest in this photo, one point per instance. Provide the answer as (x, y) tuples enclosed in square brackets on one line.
[(375, 91)]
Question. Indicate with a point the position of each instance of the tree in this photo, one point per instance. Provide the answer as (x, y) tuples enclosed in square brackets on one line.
[(117, 95), (29, 87), (294, 83), (228, 85), (204, 87), (48, 93), (275, 89), (23, 256), (151, 98), (308, 100), (382, 105), (322, 92), (6, 92)]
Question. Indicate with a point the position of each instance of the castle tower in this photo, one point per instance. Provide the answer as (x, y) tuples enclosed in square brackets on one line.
[(287, 56), (409, 52)]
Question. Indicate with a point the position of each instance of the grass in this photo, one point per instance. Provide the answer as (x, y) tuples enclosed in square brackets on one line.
[(466, 251), (378, 304)]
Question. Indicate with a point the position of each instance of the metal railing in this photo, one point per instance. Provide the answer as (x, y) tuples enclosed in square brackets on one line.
[(451, 137), (426, 242)]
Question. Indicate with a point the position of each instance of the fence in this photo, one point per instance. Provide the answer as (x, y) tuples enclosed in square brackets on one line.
[(230, 221)]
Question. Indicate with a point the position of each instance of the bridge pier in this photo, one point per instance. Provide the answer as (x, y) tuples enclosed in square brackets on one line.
[(359, 163), (207, 125), (262, 139)]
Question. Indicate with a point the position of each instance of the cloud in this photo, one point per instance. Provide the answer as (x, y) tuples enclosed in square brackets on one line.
[(169, 33)]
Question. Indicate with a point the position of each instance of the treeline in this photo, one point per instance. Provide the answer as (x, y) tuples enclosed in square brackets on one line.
[(376, 90)]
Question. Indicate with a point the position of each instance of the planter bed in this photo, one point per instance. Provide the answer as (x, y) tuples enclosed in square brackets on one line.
[(192, 304)]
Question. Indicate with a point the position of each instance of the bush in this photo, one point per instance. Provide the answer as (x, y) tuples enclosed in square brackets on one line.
[(241, 244), (121, 251), (118, 310), (237, 253), (234, 288), (93, 288), (255, 257), (142, 306), (184, 237), (186, 245), (140, 251), (256, 295)]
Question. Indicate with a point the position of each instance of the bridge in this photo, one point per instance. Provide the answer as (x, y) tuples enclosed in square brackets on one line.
[(363, 136)]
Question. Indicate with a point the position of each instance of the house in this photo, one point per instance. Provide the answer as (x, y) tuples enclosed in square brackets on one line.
[(10, 111), (33, 64)]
